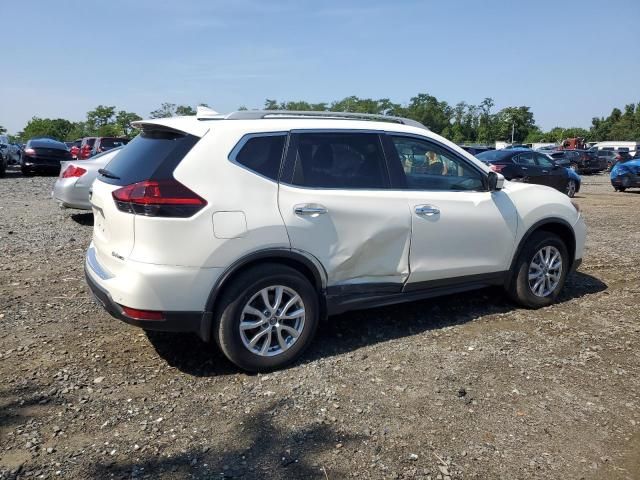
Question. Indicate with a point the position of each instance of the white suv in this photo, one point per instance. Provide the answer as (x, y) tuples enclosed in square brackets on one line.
[(249, 228)]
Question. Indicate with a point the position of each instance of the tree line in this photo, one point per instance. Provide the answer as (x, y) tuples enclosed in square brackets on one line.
[(461, 123)]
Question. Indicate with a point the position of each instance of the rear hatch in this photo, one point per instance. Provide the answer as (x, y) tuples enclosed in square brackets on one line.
[(133, 184)]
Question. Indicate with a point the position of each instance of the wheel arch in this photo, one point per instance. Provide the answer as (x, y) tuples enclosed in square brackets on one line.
[(555, 225), (303, 262)]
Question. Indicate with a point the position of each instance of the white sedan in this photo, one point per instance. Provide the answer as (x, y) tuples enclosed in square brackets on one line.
[(71, 189)]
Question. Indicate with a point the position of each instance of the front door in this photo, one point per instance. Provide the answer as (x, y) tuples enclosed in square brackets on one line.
[(459, 228), (337, 204)]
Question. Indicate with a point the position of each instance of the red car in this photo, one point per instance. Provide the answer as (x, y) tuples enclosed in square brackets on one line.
[(74, 148), (102, 144), (85, 147)]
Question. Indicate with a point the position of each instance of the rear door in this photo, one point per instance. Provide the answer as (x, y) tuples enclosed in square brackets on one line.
[(337, 205)]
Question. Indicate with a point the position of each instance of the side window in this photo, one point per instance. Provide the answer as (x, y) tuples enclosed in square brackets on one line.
[(544, 161), (525, 159), (261, 153), (340, 160), (427, 166)]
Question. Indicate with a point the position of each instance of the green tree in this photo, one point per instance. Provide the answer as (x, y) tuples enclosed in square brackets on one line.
[(172, 110), (182, 110), (2, 129), (518, 119), (429, 111), (100, 117), (57, 128), (124, 120)]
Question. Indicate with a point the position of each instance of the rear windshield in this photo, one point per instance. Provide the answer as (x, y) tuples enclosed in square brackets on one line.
[(113, 142), (493, 156), (153, 154), (90, 141), (44, 143)]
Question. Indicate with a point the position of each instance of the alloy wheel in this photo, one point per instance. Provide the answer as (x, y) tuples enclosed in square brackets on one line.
[(272, 320), (545, 271)]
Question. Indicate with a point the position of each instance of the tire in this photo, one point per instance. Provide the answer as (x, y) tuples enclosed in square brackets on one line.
[(520, 289), (621, 189), (26, 172), (626, 183), (571, 188), (245, 294), (3, 168)]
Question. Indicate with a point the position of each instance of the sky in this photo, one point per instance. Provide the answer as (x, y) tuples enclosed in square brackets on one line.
[(568, 60)]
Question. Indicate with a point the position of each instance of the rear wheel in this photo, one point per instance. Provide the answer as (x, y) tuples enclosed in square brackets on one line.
[(540, 271), (3, 168), (267, 318), (571, 188)]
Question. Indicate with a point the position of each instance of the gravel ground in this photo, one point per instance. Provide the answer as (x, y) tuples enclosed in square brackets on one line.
[(466, 386)]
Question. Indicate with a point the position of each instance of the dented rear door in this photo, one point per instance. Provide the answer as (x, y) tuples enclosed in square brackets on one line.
[(336, 203)]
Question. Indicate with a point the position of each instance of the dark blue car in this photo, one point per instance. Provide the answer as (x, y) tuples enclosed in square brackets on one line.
[(526, 165)]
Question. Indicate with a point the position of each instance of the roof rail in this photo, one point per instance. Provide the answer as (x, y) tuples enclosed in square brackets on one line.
[(265, 114)]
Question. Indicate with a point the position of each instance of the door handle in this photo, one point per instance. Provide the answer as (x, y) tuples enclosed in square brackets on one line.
[(310, 210), (427, 210), (545, 171), (524, 168)]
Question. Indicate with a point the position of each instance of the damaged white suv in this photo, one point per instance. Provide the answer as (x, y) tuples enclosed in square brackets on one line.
[(249, 228)]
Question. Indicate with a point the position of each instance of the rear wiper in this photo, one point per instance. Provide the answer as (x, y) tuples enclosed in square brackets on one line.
[(106, 173)]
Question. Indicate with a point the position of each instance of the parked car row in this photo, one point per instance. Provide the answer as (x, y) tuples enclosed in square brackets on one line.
[(44, 154)]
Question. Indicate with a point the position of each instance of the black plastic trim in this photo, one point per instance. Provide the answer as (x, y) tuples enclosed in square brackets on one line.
[(341, 303)]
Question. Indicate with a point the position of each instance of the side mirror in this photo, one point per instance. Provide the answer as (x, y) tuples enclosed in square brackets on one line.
[(495, 181)]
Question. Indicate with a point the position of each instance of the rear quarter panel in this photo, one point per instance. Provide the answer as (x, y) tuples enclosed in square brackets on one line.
[(235, 196)]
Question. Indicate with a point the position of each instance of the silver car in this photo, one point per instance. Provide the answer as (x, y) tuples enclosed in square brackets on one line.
[(71, 189)]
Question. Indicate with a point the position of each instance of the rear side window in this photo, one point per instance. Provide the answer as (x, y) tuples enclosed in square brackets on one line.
[(154, 154), (261, 153), (340, 160)]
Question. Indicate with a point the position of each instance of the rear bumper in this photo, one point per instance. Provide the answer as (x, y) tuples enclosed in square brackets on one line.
[(180, 293), (69, 195), (39, 166), (188, 322)]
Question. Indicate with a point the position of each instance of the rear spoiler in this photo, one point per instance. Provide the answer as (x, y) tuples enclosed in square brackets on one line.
[(188, 125)]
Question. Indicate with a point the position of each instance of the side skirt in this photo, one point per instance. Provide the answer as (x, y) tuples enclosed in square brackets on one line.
[(371, 295)]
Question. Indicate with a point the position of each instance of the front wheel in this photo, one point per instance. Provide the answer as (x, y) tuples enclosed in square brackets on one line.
[(571, 188), (540, 271), (267, 318)]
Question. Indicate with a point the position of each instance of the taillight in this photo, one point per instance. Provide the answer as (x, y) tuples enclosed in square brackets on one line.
[(73, 171), (142, 314), (29, 151), (158, 198), (497, 168)]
